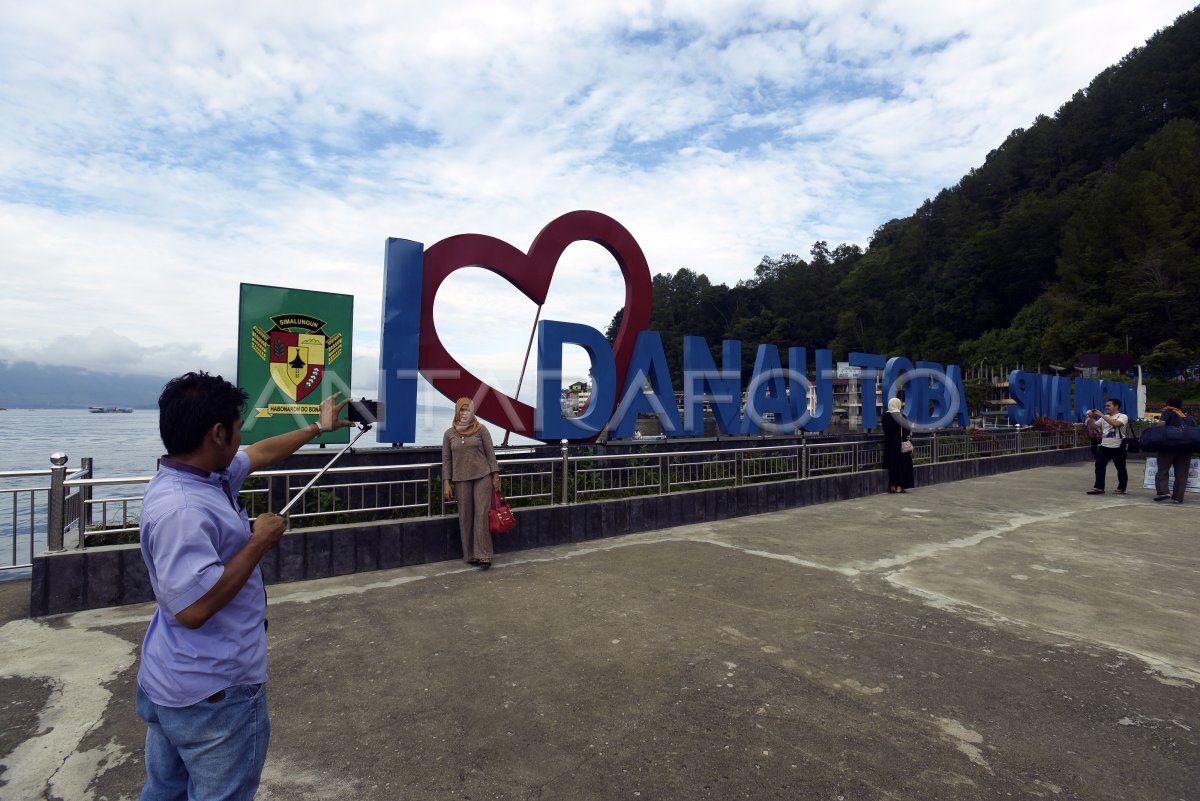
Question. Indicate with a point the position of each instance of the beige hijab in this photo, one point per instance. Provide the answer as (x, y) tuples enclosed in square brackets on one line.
[(472, 425), (896, 410)]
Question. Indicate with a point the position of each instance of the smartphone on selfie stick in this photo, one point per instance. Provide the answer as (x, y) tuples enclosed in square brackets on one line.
[(364, 413)]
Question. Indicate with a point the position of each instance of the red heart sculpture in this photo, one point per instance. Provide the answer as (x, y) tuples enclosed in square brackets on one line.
[(531, 274)]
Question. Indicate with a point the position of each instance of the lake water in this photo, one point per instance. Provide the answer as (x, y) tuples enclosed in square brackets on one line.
[(119, 444)]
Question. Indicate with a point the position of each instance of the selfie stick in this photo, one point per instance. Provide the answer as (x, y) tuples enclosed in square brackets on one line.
[(365, 428)]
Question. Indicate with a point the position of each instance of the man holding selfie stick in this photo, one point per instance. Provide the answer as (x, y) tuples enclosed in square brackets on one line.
[(204, 658)]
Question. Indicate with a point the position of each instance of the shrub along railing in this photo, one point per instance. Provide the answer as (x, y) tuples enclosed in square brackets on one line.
[(77, 511)]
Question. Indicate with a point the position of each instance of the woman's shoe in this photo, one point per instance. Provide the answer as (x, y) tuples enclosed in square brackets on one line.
[(472, 561), (484, 564)]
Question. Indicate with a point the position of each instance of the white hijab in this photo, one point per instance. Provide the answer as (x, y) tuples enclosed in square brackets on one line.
[(896, 410)]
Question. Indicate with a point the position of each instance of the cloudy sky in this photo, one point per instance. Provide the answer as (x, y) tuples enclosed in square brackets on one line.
[(154, 155)]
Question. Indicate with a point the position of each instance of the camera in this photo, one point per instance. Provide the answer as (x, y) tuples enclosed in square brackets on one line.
[(363, 411)]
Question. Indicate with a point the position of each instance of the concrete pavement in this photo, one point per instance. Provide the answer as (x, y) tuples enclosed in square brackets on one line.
[(1002, 637)]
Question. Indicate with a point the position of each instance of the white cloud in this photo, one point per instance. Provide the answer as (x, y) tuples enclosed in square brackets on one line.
[(105, 351), (153, 156)]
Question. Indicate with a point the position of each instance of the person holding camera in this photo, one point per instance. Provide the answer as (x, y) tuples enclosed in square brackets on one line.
[(1112, 424)]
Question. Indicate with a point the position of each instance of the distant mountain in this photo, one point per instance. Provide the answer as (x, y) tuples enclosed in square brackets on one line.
[(1080, 234), (24, 385)]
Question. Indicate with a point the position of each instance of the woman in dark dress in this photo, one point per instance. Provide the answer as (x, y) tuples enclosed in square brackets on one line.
[(898, 463)]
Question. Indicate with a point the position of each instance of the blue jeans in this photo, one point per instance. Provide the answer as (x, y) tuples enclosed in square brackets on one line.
[(209, 751)]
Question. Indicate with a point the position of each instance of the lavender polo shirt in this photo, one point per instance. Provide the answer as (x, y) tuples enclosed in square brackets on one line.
[(191, 526)]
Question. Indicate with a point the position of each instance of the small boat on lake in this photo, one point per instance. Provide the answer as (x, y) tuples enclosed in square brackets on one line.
[(109, 410)]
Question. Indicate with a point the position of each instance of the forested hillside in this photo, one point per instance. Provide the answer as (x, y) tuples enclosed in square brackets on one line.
[(1078, 234)]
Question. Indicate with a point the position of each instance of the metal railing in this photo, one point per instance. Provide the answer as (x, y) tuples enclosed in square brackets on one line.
[(77, 515), (112, 516), (32, 509)]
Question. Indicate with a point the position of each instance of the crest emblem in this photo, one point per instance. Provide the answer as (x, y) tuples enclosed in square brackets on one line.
[(297, 350)]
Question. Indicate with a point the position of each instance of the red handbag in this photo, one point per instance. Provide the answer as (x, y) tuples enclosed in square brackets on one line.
[(500, 515)]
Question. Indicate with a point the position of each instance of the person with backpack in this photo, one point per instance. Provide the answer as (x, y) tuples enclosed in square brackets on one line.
[(1179, 460)]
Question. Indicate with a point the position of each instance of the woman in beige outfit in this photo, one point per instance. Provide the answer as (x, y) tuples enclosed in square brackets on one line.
[(469, 473)]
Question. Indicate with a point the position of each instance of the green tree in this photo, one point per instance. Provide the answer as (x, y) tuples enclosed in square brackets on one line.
[(1168, 357)]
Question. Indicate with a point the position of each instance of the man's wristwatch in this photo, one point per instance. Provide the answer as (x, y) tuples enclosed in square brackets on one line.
[(320, 428)]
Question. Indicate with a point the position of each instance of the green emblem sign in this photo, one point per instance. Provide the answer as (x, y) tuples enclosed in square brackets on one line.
[(293, 352)]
